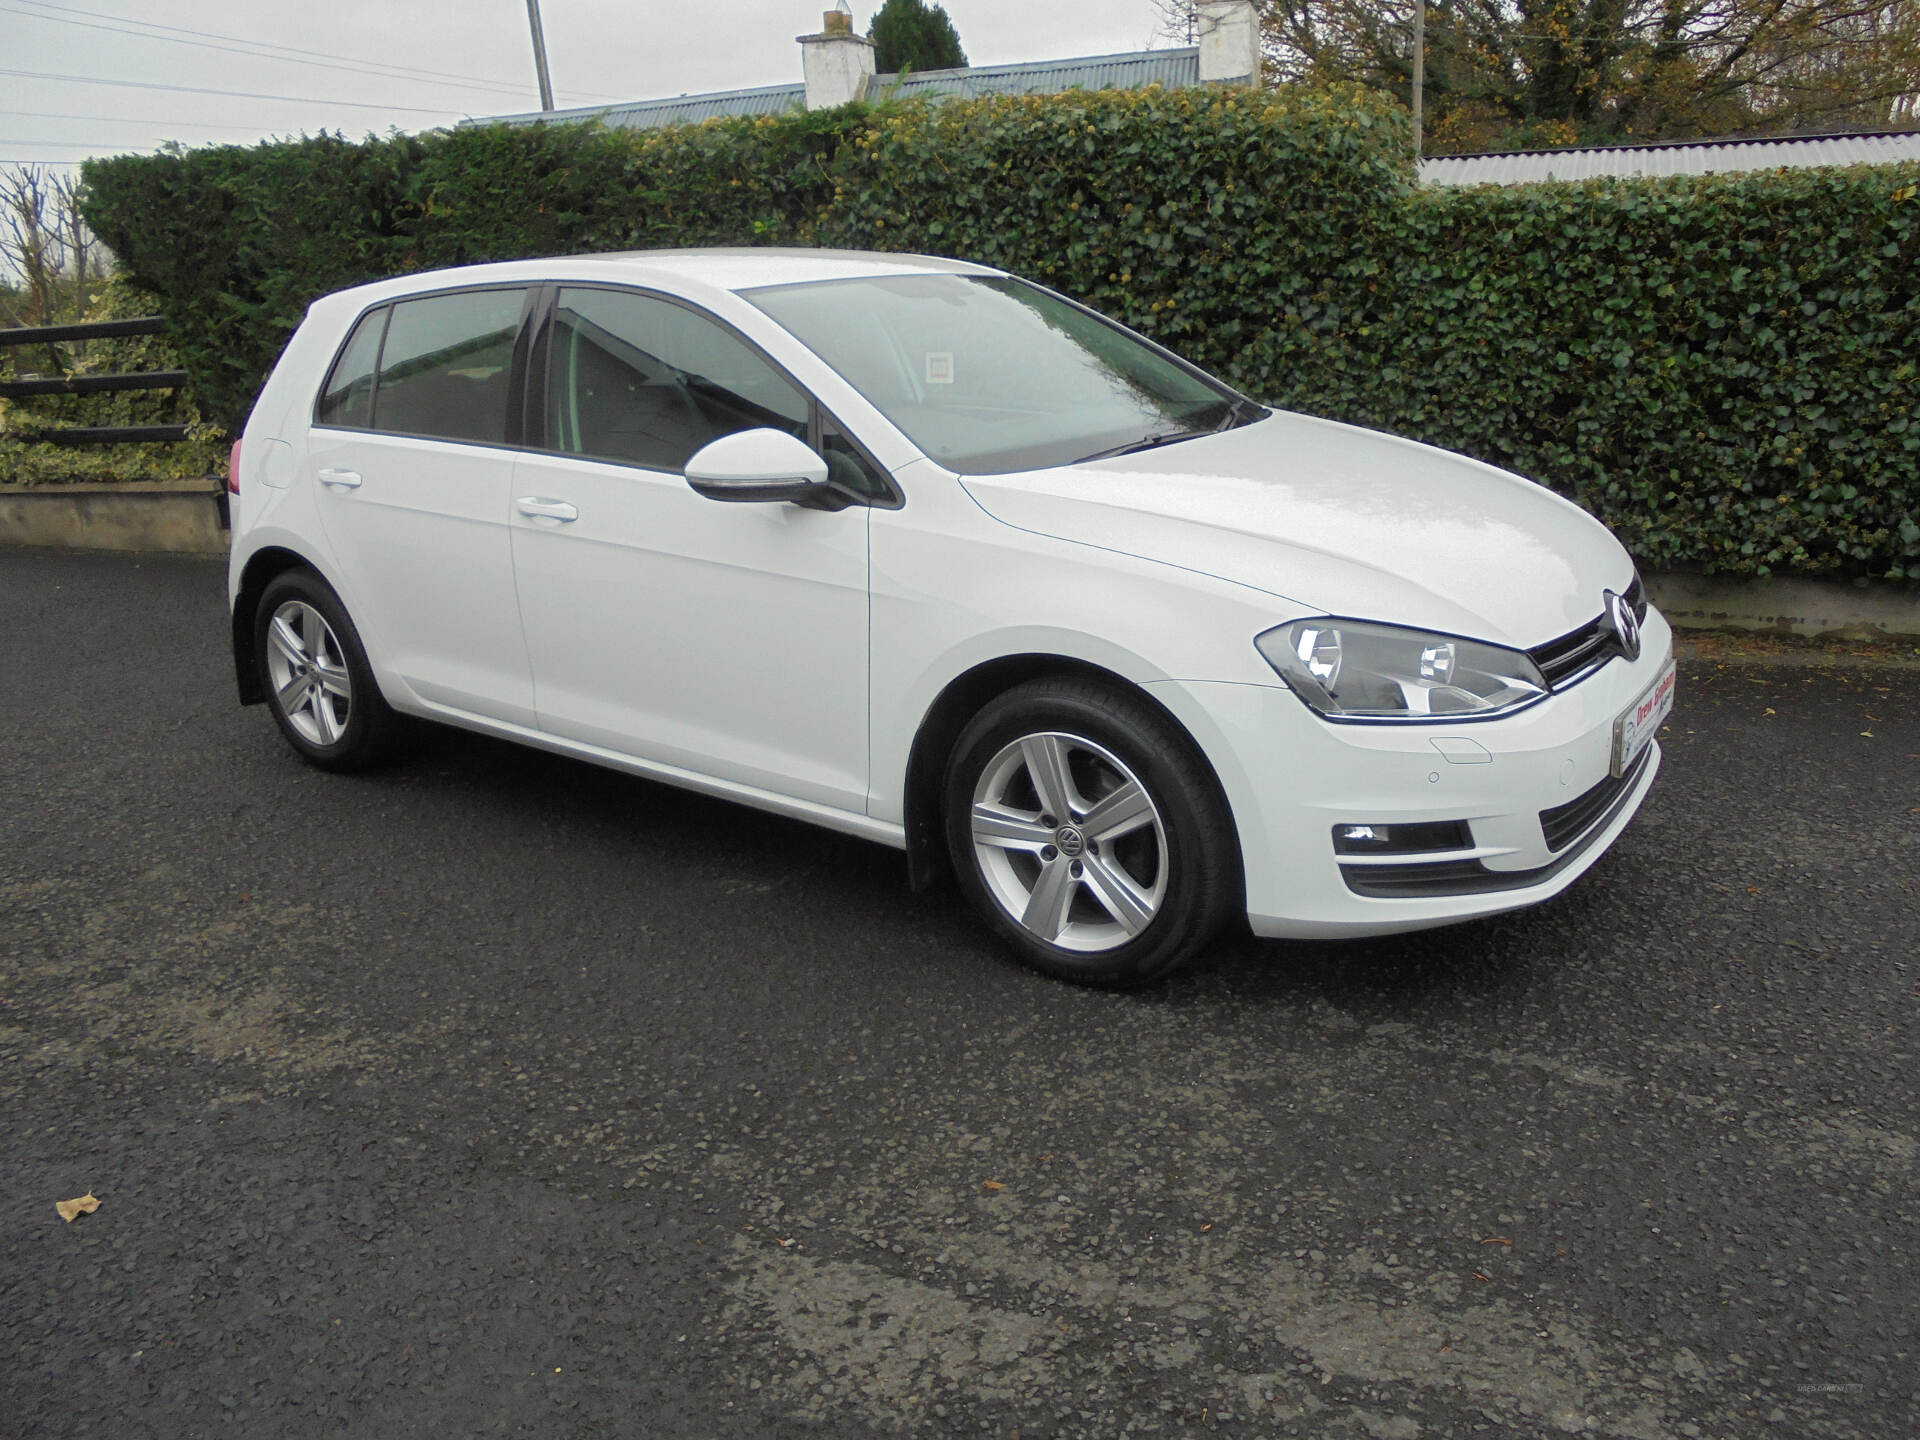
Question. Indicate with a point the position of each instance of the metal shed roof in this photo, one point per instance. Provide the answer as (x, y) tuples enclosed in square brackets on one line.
[(679, 110), (1134, 70), (1686, 158)]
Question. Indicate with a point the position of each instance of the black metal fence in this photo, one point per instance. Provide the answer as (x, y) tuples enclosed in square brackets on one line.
[(52, 335)]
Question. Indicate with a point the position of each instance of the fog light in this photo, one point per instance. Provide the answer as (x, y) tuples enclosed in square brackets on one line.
[(1402, 839)]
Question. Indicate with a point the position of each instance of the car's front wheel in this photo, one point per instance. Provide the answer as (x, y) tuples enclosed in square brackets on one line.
[(320, 687), (1086, 829)]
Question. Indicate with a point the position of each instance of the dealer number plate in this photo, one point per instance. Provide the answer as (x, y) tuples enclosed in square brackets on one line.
[(1634, 730)]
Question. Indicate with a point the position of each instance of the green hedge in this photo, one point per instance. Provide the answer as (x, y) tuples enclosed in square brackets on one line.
[(1722, 368)]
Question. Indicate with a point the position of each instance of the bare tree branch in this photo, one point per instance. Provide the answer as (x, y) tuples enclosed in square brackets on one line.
[(47, 253), (1563, 71)]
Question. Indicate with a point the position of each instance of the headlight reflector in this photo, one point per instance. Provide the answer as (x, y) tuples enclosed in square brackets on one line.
[(1319, 652), (1357, 670)]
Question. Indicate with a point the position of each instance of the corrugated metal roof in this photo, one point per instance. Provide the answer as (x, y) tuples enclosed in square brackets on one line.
[(680, 110), (1134, 70), (1690, 158)]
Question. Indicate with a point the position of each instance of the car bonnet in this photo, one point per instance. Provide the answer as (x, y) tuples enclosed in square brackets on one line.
[(1338, 520)]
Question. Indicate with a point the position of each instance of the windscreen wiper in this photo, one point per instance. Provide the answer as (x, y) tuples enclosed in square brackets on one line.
[(1149, 442)]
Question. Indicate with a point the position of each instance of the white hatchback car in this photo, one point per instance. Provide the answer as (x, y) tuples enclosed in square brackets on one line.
[(919, 551)]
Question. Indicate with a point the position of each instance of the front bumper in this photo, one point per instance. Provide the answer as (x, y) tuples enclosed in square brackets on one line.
[(1292, 778)]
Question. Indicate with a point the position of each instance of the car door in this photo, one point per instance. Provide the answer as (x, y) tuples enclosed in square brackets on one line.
[(728, 639), (411, 465)]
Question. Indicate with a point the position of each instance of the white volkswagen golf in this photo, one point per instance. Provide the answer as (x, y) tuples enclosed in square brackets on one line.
[(922, 552)]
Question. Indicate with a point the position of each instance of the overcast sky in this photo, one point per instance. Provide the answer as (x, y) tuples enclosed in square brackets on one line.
[(180, 66)]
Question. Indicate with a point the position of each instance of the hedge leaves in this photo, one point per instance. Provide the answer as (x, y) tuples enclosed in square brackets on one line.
[(1723, 368)]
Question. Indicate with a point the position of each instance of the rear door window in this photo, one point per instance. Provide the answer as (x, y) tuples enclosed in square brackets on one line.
[(446, 367)]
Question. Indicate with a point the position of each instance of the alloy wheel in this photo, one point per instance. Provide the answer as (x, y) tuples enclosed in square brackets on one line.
[(1069, 842), (308, 671)]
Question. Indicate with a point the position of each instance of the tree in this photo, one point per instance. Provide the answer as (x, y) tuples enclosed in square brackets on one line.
[(1508, 73), (912, 35), (50, 255)]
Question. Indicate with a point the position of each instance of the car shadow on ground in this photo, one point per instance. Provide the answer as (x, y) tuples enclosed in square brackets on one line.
[(699, 841)]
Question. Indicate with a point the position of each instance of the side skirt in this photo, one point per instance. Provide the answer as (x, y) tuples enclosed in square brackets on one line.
[(884, 832)]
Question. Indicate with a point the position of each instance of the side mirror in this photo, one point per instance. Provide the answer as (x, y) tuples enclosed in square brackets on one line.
[(759, 465)]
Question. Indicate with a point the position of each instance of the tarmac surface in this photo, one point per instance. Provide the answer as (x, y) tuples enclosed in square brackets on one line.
[(494, 1094)]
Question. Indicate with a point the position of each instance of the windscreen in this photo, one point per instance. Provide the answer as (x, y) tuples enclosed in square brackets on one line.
[(990, 375)]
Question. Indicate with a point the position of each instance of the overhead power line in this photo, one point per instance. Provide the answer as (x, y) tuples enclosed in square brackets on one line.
[(131, 120), (234, 94), (265, 49)]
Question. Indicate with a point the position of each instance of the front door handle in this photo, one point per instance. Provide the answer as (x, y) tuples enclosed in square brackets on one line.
[(341, 479), (538, 509)]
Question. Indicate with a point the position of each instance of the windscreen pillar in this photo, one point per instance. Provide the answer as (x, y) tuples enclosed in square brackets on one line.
[(836, 63), (1229, 36)]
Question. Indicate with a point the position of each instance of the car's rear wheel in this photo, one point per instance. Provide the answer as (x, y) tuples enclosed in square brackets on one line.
[(1089, 833), (320, 687)]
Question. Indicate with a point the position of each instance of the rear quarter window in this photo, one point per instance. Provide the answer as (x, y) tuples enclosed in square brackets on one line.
[(347, 397)]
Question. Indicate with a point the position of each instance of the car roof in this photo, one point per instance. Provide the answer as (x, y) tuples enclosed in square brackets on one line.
[(743, 268)]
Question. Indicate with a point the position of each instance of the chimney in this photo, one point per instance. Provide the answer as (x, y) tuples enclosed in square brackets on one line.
[(837, 63), (1229, 32)]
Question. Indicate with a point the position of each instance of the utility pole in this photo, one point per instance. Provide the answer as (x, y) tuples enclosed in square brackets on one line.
[(540, 54), (1419, 71)]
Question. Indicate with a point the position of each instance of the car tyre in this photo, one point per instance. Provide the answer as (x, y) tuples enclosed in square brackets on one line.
[(319, 685), (1085, 826)]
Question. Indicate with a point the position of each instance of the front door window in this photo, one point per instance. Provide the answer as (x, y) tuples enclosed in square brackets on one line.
[(643, 381)]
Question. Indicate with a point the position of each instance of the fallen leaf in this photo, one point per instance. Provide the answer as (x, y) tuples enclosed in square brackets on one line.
[(991, 1185), (1867, 733), (1496, 1240), (1767, 711), (1480, 1276), (72, 1210)]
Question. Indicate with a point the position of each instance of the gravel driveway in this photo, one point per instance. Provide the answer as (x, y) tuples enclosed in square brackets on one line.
[(497, 1095)]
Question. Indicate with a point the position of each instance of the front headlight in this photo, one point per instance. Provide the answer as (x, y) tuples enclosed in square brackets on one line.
[(1353, 670)]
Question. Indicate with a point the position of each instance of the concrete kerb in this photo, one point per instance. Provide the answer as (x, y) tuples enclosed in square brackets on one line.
[(183, 516), (187, 516)]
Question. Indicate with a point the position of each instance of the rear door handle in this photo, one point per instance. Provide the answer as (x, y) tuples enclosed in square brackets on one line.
[(534, 506), (341, 479)]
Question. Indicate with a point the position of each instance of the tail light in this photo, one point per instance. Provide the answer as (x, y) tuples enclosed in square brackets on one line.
[(233, 469)]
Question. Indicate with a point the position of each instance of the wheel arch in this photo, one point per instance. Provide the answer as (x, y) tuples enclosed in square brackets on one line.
[(959, 702), (263, 567)]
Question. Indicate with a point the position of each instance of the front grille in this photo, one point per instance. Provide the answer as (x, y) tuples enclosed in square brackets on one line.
[(1564, 824), (1422, 878), (1579, 653)]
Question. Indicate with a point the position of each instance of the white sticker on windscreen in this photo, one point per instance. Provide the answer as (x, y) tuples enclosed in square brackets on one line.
[(939, 367)]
